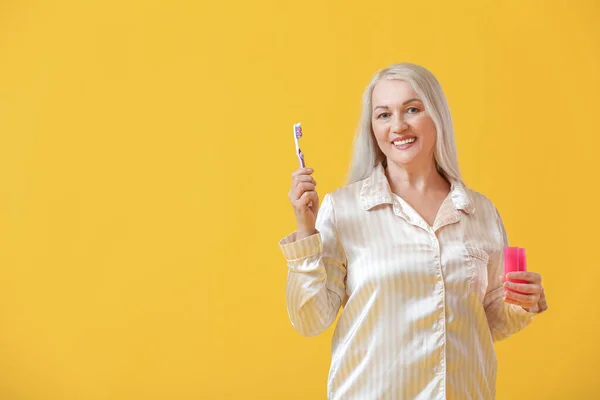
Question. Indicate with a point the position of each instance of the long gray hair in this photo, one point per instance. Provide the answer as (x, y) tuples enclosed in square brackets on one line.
[(367, 153)]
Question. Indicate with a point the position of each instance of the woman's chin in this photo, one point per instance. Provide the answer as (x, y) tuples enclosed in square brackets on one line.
[(403, 161)]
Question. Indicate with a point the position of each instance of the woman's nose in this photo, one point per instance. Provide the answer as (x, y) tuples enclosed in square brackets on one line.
[(398, 124)]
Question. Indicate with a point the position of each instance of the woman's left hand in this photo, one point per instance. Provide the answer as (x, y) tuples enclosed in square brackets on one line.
[(531, 293)]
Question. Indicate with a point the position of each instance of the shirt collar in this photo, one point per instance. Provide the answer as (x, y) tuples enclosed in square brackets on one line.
[(375, 190)]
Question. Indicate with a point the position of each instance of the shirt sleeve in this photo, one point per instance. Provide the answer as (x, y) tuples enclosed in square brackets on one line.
[(504, 319), (316, 274)]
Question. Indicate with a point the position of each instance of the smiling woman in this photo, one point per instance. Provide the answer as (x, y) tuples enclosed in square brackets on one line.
[(399, 96), (391, 122), (412, 255)]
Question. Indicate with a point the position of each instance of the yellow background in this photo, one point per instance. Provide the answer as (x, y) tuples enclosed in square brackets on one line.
[(145, 155)]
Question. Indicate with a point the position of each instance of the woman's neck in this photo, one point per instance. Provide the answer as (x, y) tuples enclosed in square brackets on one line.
[(417, 179)]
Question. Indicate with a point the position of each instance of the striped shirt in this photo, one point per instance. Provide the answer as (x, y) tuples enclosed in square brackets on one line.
[(421, 305)]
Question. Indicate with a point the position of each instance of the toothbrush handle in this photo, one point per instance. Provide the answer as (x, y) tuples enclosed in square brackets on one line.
[(301, 158), (303, 165)]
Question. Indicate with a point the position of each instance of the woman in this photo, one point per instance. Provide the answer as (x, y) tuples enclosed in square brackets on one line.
[(413, 255)]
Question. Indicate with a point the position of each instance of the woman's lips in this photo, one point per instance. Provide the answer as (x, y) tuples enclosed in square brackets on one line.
[(404, 146)]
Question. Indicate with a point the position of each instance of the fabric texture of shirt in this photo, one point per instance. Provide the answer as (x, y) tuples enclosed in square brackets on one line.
[(421, 305)]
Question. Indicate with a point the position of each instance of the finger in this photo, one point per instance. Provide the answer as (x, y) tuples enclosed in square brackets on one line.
[(307, 197), (543, 305), (510, 301), (521, 299), (530, 277), (526, 307), (300, 188), (303, 178), (302, 171), (303, 187), (523, 287), (542, 302)]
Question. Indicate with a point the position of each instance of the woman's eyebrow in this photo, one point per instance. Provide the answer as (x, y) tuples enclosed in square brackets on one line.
[(406, 102)]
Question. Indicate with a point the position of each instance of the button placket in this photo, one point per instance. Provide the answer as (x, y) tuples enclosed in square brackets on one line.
[(440, 325)]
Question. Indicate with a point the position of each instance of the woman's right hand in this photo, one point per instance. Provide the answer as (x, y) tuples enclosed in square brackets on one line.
[(302, 193)]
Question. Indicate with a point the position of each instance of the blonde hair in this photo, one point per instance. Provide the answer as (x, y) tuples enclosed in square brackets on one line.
[(367, 153)]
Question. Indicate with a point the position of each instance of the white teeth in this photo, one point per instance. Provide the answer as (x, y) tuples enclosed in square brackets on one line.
[(403, 142)]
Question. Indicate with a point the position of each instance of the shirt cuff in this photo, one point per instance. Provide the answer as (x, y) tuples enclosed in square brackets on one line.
[(298, 249)]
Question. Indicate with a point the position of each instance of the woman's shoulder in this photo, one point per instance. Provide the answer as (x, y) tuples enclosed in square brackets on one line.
[(348, 194), (481, 202), (345, 197)]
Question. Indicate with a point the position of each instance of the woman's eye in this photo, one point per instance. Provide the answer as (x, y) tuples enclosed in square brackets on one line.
[(384, 115), (413, 108)]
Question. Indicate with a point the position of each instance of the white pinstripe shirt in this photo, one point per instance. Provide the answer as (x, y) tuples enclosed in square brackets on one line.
[(422, 305)]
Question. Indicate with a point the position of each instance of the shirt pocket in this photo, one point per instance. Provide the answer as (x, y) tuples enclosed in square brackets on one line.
[(477, 260)]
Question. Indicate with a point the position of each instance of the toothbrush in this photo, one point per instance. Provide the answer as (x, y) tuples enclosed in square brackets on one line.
[(298, 135)]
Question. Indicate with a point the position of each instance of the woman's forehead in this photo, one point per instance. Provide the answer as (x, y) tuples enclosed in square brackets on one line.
[(393, 90)]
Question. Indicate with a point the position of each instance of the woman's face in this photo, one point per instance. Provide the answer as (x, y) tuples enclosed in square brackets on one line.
[(404, 131)]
